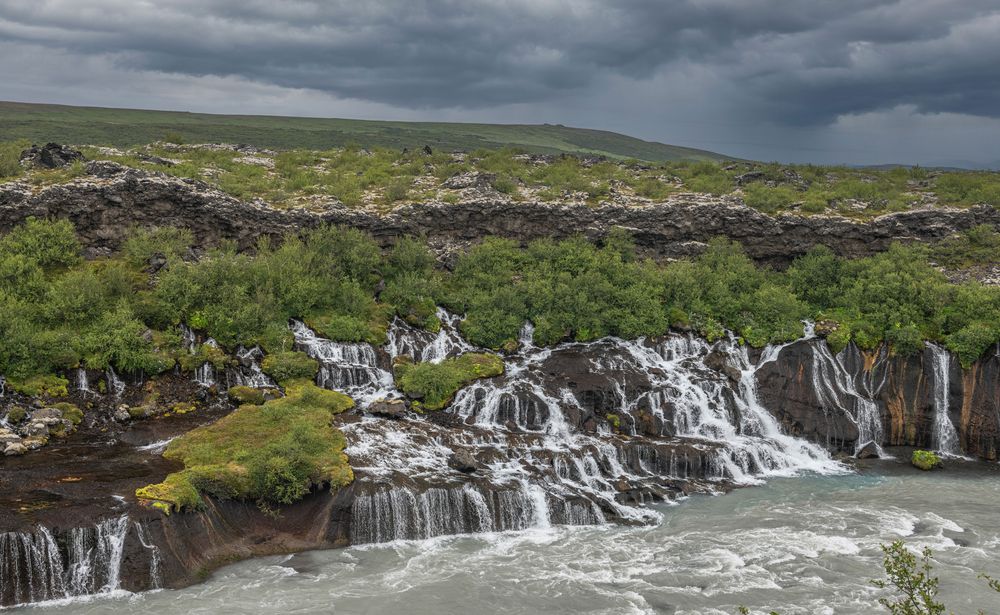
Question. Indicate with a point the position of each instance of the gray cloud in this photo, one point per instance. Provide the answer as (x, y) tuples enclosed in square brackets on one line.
[(783, 64)]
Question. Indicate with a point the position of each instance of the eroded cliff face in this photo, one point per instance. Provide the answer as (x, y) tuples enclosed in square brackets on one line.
[(817, 395), (112, 199)]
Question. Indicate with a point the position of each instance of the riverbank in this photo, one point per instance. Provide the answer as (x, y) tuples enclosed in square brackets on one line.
[(797, 545)]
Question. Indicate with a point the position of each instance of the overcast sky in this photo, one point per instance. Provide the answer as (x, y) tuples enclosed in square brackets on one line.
[(854, 81)]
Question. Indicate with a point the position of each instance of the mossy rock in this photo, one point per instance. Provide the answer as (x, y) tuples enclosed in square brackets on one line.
[(435, 384), (138, 412), (16, 414), (70, 412), (273, 453), (615, 421), (246, 395), (925, 460), (183, 407), (47, 385), (290, 365), (204, 353)]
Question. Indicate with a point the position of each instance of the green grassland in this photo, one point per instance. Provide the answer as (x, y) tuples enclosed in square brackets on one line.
[(127, 127)]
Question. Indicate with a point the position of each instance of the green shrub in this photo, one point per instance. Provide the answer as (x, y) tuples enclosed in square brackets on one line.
[(44, 385), (290, 365), (435, 384), (48, 243), (16, 414)]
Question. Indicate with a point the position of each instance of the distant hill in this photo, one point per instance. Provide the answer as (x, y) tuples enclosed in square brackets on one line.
[(124, 127)]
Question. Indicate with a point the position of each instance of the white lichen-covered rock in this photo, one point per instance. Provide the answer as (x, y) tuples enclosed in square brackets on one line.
[(14, 448)]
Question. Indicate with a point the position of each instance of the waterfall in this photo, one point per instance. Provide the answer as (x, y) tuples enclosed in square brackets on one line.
[(82, 382), (154, 555), (835, 387), (33, 567), (945, 436), (349, 367), (545, 454), (115, 384), (403, 339), (250, 373)]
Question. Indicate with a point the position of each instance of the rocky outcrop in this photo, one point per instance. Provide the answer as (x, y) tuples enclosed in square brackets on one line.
[(113, 198), (817, 396), (49, 156)]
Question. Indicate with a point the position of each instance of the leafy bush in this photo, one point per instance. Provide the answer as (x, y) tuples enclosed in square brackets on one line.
[(290, 365), (50, 244), (435, 384)]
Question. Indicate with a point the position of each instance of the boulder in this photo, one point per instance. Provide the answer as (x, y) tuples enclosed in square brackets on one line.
[(49, 156), (388, 408), (463, 461), (36, 429), (719, 362), (868, 451), (7, 437), (15, 448), (122, 414)]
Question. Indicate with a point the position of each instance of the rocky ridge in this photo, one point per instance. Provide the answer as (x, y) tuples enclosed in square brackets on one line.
[(111, 198)]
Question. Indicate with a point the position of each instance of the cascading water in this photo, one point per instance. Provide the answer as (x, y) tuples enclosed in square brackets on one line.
[(945, 435), (115, 384), (34, 567), (250, 372), (545, 452), (836, 389), (82, 382), (351, 368)]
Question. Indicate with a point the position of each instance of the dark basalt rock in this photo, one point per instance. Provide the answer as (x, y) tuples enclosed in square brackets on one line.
[(103, 212), (463, 461), (49, 156), (868, 451)]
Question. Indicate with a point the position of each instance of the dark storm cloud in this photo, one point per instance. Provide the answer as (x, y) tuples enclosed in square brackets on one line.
[(789, 62)]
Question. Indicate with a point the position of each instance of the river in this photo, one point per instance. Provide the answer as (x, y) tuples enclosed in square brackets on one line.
[(795, 545)]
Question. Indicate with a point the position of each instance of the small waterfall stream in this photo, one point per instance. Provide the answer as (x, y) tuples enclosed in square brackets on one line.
[(945, 437), (38, 565), (837, 389), (116, 386)]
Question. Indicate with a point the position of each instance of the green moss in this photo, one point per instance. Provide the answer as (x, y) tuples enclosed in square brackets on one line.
[(70, 412), (615, 421), (435, 384), (290, 365), (246, 395), (925, 460), (47, 385), (183, 407), (204, 353), (16, 414), (273, 453), (138, 412)]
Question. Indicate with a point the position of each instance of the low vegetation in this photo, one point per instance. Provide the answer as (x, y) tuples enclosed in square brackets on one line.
[(381, 177), (61, 311), (273, 453), (434, 385)]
